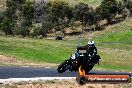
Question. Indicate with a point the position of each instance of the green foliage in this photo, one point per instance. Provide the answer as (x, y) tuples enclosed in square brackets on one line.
[(108, 9), (121, 7), (20, 1), (5, 23), (61, 14), (59, 7), (11, 9), (9, 21), (1, 18), (7, 26), (35, 32), (53, 15), (128, 5), (28, 10), (24, 28), (27, 15), (84, 14), (80, 11)]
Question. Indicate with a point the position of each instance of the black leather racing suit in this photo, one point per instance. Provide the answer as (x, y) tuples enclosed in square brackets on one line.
[(91, 50), (89, 57), (90, 54)]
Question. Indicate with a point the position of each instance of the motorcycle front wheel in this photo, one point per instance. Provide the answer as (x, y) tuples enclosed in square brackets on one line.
[(63, 67)]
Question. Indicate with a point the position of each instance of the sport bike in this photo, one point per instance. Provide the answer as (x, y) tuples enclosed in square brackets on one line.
[(79, 58)]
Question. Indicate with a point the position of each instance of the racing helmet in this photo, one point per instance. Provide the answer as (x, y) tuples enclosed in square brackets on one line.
[(90, 43)]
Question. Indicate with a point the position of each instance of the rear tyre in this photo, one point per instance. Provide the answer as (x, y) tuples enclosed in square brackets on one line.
[(88, 68), (80, 79)]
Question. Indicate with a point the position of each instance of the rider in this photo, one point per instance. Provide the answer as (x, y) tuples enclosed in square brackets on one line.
[(90, 48), (90, 56)]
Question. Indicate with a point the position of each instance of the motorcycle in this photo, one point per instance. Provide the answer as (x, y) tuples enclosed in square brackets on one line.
[(78, 59)]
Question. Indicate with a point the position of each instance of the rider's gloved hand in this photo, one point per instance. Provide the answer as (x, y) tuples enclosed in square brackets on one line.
[(77, 51), (89, 55)]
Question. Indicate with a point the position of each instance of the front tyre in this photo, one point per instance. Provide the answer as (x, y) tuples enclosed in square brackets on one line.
[(63, 67)]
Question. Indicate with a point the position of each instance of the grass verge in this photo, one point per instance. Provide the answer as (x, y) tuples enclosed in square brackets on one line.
[(51, 51)]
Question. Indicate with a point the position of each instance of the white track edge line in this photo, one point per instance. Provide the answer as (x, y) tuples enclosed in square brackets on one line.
[(16, 80)]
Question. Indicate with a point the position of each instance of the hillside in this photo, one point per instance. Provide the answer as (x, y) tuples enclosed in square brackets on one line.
[(40, 51), (2, 5), (113, 44), (93, 3)]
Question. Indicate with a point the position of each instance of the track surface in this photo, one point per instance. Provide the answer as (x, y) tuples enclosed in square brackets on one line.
[(31, 72)]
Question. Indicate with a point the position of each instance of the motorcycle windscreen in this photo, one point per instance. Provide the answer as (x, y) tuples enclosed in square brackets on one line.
[(82, 51)]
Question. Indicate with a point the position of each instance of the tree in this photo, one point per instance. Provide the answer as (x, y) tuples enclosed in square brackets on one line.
[(9, 16), (85, 14), (27, 14), (80, 13), (24, 27), (28, 10), (53, 15), (96, 22), (20, 1), (122, 9), (128, 5), (108, 9), (60, 12), (42, 15), (1, 18), (6, 26)]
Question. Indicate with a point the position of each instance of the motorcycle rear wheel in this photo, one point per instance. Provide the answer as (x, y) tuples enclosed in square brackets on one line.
[(80, 79), (88, 68)]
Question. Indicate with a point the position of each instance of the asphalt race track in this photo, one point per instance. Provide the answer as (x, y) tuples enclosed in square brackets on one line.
[(31, 72)]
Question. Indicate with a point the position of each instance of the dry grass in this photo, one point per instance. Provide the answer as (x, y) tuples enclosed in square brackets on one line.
[(6, 60), (2, 5), (120, 27), (120, 57)]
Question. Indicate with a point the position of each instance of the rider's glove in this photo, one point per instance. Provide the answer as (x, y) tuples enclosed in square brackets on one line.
[(89, 55)]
